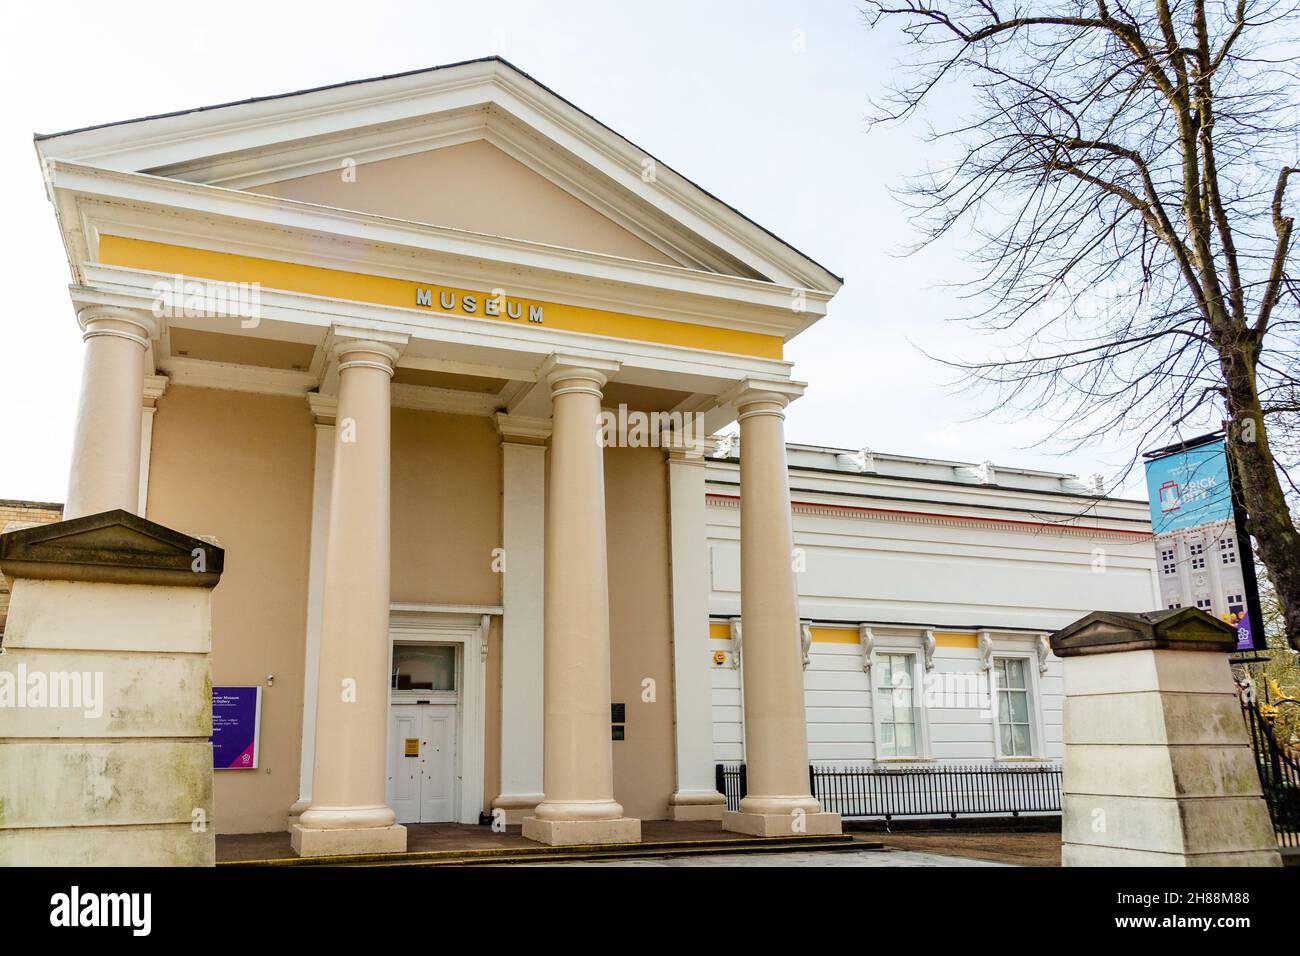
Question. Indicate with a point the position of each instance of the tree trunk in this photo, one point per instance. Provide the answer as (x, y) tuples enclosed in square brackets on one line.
[(1268, 516)]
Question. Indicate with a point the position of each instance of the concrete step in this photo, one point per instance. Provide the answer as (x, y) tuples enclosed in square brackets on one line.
[(541, 853)]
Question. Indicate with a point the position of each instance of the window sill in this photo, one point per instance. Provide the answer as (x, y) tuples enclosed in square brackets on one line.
[(904, 760)]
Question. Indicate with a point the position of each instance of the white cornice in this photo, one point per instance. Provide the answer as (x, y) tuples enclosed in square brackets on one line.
[(898, 516), (186, 139), (96, 201)]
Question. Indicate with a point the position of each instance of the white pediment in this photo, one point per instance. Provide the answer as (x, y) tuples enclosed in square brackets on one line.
[(477, 146)]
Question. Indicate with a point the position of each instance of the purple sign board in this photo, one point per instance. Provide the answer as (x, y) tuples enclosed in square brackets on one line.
[(236, 727)]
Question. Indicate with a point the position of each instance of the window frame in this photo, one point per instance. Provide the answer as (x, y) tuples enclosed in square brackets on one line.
[(1034, 698), (883, 647)]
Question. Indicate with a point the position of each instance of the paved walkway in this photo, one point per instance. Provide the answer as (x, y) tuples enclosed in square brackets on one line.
[(1028, 848), (841, 858)]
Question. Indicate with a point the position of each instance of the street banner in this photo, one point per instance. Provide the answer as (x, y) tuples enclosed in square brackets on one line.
[(1203, 554)]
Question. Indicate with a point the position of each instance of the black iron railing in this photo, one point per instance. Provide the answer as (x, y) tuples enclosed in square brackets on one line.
[(731, 783), (1279, 775), (938, 790)]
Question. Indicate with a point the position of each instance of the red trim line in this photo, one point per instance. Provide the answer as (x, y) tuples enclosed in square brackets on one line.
[(952, 517)]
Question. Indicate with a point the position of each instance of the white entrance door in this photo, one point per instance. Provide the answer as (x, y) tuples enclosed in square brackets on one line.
[(422, 762)]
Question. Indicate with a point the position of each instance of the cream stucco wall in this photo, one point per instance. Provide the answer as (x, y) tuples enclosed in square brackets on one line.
[(239, 466), (491, 193), (446, 488), (640, 613)]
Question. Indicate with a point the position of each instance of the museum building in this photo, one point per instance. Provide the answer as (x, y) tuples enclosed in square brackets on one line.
[(363, 337)]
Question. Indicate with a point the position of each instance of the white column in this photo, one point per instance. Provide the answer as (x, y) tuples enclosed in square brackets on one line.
[(105, 472), (348, 813), (779, 801), (323, 410), (154, 387), (523, 536), (578, 774), (696, 796)]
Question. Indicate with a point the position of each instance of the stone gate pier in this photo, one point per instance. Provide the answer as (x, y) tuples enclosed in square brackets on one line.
[(1158, 768)]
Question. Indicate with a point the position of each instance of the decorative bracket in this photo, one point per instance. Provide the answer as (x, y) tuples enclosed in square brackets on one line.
[(805, 641), (868, 641), (928, 644), (725, 446), (736, 638), (986, 651), (1042, 647)]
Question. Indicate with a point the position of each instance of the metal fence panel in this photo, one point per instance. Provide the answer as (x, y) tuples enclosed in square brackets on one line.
[(939, 790)]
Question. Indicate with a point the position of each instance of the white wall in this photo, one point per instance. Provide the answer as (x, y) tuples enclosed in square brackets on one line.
[(907, 557)]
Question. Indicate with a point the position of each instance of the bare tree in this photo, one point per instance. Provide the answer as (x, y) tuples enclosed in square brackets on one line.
[(1121, 180)]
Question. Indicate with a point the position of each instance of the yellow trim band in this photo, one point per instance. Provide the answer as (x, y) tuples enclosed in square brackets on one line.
[(952, 639), (385, 290)]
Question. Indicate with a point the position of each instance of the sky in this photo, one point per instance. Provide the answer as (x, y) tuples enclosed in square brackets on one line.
[(764, 104)]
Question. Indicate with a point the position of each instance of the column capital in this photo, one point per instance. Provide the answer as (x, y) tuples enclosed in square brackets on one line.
[(560, 367), (155, 386), (687, 449), (386, 347), (756, 391), (522, 427), (131, 324), (366, 353), (324, 408)]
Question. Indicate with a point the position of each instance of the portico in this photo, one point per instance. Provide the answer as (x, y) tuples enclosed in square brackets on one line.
[(409, 424)]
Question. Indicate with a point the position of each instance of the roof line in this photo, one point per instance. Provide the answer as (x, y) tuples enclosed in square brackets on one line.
[(39, 137), (274, 96)]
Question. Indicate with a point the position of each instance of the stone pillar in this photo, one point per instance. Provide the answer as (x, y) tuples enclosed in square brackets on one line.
[(1158, 769), (106, 695), (323, 411), (776, 738), (578, 773), (523, 537), (348, 813), (105, 472), (696, 796)]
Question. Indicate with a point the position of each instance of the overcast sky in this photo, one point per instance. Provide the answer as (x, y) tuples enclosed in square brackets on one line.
[(761, 103)]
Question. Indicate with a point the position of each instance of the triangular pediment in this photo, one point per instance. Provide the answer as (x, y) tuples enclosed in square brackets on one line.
[(1104, 632), (111, 546), (477, 146), (473, 186)]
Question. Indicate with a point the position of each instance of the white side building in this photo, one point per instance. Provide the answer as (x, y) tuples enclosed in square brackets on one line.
[(920, 580)]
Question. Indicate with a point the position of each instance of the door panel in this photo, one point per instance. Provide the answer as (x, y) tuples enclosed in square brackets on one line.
[(404, 772), (438, 764), (422, 782)]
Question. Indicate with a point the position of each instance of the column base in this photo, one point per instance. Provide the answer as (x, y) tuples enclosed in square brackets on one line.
[(696, 805), (345, 842), (296, 812), (517, 806), (782, 824), (582, 832)]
